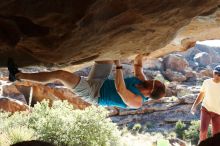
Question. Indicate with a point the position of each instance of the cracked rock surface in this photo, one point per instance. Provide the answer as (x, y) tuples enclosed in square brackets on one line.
[(71, 32)]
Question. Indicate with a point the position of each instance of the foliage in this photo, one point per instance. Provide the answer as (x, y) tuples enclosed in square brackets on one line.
[(136, 128), (62, 125), (192, 133), (18, 134), (4, 140), (14, 128), (171, 135), (179, 129)]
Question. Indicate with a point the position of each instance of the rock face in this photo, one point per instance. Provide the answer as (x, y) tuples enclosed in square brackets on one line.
[(12, 92), (69, 32), (174, 76), (11, 105), (41, 92), (175, 62)]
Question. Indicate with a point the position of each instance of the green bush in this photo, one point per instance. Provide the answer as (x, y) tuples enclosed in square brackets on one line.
[(62, 125), (179, 129), (14, 128), (136, 128), (4, 140), (192, 133), (19, 134)]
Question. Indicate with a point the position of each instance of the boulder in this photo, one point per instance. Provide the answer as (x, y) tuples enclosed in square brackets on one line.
[(172, 87), (153, 64), (174, 76), (190, 53), (41, 92), (188, 98), (11, 105), (211, 50), (175, 62), (183, 90), (190, 74), (170, 92), (12, 92), (151, 74), (205, 73), (67, 94)]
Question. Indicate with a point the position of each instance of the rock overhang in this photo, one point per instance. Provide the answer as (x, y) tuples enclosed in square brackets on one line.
[(70, 32)]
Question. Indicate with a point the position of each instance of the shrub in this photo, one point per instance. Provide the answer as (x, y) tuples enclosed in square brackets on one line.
[(4, 140), (62, 125), (192, 133), (14, 128), (171, 135), (19, 134), (136, 128), (179, 129)]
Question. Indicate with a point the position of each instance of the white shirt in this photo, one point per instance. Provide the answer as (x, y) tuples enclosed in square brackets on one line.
[(211, 99)]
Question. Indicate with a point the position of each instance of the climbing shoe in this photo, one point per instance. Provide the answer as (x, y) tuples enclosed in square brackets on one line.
[(13, 70)]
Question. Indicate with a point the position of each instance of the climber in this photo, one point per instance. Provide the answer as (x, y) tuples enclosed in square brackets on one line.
[(97, 89)]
